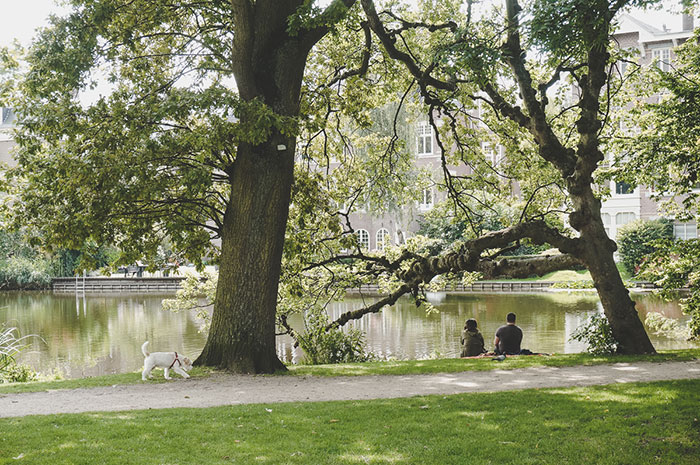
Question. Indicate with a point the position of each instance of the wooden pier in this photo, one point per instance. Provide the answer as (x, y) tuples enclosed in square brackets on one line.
[(99, 285), (499, 286)]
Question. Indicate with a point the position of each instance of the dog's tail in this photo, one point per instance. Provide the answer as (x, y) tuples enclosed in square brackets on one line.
[(143, 349)]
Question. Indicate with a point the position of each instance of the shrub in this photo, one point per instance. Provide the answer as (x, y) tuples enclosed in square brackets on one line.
[(638, 239), (24, 273), (11, 344), (18, 373), (322, 346), (668, 327), (597, 335), (676, 265)]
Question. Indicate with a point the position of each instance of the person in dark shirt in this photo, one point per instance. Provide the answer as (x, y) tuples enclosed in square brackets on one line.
[(508, 337)]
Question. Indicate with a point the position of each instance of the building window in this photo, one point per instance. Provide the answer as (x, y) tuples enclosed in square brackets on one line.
[(426, 202), (363, 239), (685, 231), (623, 218), (623, 188), (662, 58), (383, 239), (622, 66), (425, 138)]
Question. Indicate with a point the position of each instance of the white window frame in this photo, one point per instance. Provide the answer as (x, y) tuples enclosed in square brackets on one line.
[(661, 57), (427, 199), (685, 231), (620, 215), (424, 139), (614, 189), (363, 239), (382, 239)]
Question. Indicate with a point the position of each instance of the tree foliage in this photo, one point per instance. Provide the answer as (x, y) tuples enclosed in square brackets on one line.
[(665, 153), (175, 150), (638, 240), (675, 266)]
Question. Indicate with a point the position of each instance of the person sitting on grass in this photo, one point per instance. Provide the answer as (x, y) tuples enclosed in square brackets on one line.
[(472, 340), (508, 337)]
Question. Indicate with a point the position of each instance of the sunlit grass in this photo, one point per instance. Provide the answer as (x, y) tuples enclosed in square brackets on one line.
[(402, 367), (574, 275), (638, 423), (96, 381), (452, 365)]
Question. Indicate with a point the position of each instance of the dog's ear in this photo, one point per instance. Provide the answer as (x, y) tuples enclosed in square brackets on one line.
[(187, 361)]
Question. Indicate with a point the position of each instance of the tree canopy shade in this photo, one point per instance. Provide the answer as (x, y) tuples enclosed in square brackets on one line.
[(176, 149)]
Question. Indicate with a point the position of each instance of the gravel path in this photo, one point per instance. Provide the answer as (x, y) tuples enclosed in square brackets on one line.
[(224, 389)]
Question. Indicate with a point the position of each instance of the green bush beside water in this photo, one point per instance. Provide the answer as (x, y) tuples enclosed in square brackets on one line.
[(21, 273)]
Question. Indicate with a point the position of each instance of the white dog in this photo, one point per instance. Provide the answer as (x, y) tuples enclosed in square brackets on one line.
[(165, 360)]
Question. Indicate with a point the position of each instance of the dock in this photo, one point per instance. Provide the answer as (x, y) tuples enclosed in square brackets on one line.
[(100, 285)]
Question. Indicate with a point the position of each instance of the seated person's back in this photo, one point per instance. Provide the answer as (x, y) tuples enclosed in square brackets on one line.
[(472, 340), (508, 337)]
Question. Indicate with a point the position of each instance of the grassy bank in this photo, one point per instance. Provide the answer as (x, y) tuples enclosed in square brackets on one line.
[(404, 367), (573, 275), (625, 423)]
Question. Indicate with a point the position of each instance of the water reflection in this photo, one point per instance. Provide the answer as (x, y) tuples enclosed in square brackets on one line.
[(94, 335), (100, 334), (547, 320)]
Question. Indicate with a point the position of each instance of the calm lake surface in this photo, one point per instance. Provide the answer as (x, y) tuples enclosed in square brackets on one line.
[(102, 334)]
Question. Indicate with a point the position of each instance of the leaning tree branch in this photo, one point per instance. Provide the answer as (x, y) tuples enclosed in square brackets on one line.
[(364, 65), (388, 40), (469, 258), (551, 148)]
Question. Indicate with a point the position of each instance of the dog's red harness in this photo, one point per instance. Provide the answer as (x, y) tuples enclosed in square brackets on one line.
[(176, 360)]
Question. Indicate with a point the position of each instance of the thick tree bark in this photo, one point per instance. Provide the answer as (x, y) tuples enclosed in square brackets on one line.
[(242, 335), (268, 63), (597, 254)]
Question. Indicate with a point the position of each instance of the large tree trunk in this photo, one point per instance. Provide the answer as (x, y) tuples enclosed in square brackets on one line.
[(597, 254), (242, 335), (269, 66)]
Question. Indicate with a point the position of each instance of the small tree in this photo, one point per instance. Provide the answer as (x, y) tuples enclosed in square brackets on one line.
[(640, 238)]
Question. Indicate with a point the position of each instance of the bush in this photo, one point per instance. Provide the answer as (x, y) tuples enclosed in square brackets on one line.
[(597, 335), (18, 373), (668, 327), (12, 344), (676, 265), (20, 273), (322, 346), (638, 239)]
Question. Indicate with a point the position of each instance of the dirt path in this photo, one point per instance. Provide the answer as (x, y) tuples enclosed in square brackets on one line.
[(240, 389)]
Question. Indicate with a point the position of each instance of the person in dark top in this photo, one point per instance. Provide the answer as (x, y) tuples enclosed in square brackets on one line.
[(472, 340), (508, 337)]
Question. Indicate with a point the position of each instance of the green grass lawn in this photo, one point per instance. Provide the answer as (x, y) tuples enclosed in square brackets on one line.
[(403, 367), (640, 423)]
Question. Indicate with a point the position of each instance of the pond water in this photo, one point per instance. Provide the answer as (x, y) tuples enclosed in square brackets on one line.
[(101, 334)]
